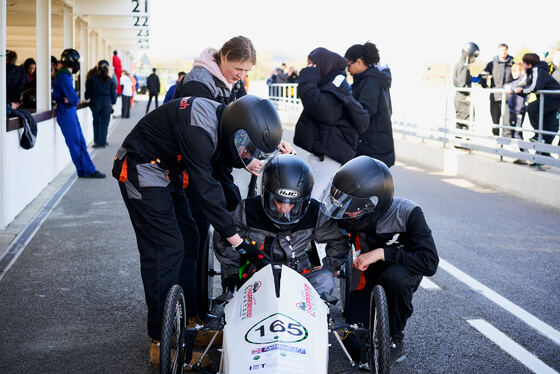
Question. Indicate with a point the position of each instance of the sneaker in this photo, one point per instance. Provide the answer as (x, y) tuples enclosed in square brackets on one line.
[(98, 146), (537, 166), (520, 162), (397, 353), (154, 353), (96, 174)]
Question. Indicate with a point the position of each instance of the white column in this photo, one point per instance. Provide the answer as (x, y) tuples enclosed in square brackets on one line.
[(3, 172), (69, 32), (43, 58), (84, 46)]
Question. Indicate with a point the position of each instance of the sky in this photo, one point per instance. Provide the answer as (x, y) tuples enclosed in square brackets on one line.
[(408, 34)]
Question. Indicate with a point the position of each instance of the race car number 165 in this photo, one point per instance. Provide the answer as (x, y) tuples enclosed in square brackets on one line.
[(275, 328)]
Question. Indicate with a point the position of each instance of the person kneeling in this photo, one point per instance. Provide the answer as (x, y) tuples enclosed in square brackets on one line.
[(285, 221)]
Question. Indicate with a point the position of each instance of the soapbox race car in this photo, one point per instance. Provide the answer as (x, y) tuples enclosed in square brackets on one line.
[(274, 323)]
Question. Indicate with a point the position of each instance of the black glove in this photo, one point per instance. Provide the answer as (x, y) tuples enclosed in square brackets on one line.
[(250, 252)]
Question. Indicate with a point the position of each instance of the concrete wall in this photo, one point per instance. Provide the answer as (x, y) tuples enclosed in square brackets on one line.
[(484, 169), (29, 171)]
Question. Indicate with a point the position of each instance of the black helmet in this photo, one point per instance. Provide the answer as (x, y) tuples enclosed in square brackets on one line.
[(361, 190), (287, 182), (69, 58), (470, 50), (249, 128)]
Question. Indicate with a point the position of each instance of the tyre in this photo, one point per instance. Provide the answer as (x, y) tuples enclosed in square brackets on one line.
[(379, 338), (173, 330), (205, 276)]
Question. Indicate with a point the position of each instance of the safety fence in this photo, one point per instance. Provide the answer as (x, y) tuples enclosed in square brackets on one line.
[(430, 115)]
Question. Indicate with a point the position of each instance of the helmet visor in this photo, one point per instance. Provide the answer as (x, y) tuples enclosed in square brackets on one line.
[(247, 151), (283, 210), (339, 205)]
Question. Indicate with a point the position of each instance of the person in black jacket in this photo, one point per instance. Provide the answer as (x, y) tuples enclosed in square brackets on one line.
[(332, 120), (153, 89), (498, 73), (173, 147), (102, 91), (371, 89), (538, 78), (16, 78), (394, 242)]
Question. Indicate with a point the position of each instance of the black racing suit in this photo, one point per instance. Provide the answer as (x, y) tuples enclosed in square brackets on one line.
[(410, 253), (169, 148)]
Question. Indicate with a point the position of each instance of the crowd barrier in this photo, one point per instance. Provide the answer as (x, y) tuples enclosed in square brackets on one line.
[(428, 122)]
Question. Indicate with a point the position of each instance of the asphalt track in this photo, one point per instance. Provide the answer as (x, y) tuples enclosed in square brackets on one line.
[(73, 301)]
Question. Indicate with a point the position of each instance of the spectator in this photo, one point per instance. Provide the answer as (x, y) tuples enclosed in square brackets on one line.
[(497, 74), (171, 90), (153, 89), (371, 89), (134, 82), (67, 115), (556, 65), (54, 68), (282, 77), (30, 66), (462, 78), (102, 92), (292, 75), (332, 120), (126, 94), (538, 78), (516, 104), (15, 78), (117, 67)]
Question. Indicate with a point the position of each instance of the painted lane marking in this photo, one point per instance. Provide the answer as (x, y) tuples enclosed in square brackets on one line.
[(542, 327), (429, 285), (511, 347)]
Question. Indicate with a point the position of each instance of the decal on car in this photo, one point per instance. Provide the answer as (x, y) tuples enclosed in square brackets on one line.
[(276, 328)]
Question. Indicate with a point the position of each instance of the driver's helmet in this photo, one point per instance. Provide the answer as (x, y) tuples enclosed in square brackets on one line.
[(362, 189), (70, 58), (287, 182), (249, 128), (470, 50)]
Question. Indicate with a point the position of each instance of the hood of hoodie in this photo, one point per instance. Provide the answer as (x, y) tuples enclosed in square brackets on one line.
[(207, 61), (373, 72), (509, 59), (327, 61)]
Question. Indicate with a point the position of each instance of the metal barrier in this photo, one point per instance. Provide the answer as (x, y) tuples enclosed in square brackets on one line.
[(442, 128)]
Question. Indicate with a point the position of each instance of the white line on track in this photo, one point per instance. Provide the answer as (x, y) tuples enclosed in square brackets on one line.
[(429, 285), (511, 347), (542, 327)]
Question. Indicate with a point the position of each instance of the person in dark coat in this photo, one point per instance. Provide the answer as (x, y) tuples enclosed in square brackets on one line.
[(538, 78), (16, 78), (67, 115), (498, 73), (371, 89), (153, 89), (332, 120), (102, 91)]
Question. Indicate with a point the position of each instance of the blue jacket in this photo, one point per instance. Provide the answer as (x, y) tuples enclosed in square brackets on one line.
[(62, 89), (101, 93), (170, 93)]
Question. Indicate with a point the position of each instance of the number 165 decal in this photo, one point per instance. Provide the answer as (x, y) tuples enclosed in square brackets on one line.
[(275, 328)]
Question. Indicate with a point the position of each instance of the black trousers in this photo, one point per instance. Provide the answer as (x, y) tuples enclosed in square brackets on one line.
[(496, 113), (125, 110), (399, 284), (161, 220), (150, 101), (550, 119)]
